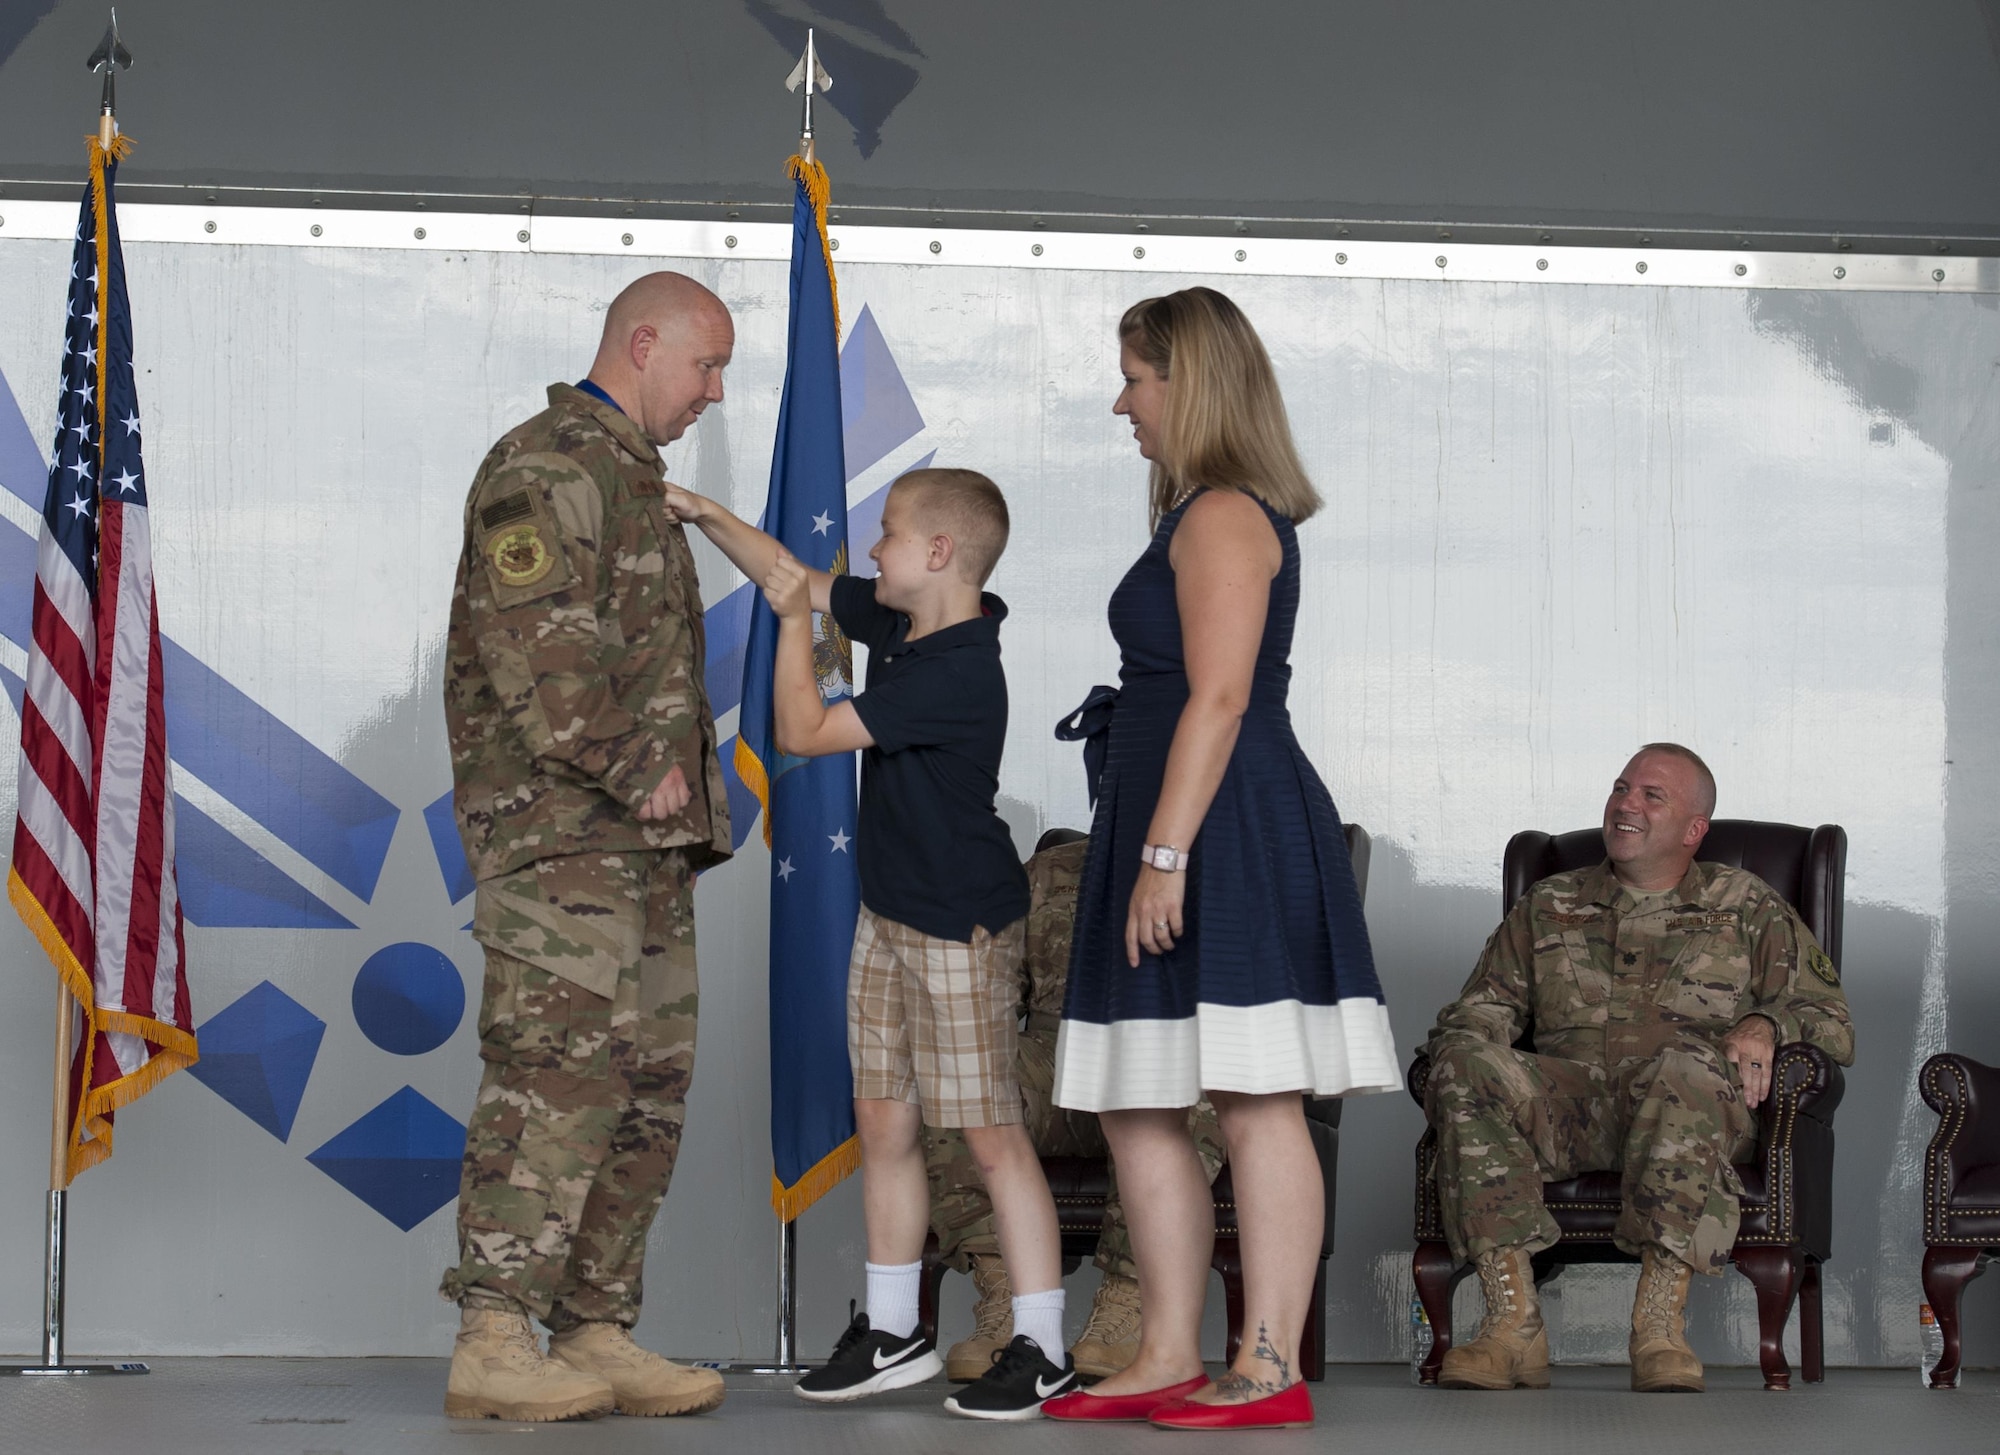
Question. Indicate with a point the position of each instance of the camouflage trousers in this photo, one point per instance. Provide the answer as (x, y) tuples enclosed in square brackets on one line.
[(1507, 1122), (961, 1211), (573, 1139)]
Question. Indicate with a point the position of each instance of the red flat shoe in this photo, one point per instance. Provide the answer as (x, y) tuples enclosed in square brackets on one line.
[(1291, 1408), (1084, 1405)]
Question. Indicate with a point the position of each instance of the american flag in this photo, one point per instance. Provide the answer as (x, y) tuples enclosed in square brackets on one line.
[(93, 868)]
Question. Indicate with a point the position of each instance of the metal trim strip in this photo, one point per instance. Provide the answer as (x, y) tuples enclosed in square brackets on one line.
[(143, 223)]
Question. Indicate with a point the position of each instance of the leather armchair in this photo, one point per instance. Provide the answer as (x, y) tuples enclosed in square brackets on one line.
[(1081, 1184), (1787, 1204), (1961, 1190)]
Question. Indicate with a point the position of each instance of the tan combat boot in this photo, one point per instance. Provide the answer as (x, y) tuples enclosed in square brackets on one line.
[(1110, 1338), (1511, 1348), (643, 1382), (1662, 1362), (498, 1372), (992, 1322)]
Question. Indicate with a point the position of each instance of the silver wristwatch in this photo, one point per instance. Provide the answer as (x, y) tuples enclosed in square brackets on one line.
[(1164, 857)]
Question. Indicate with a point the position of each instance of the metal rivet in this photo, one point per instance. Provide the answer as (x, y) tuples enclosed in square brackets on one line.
[(833, 243), (1640, 266), (1340, 258), (626, 239), (1138, 252), (1937, 275), (730, 241), (1541, 265), (937, 247), (317, 229), (208, 227), (1241, 255), (3, 222), (421, 234), (1440, 260), (1840, 272), (521, 236), (1741, 270), (1036, 250)]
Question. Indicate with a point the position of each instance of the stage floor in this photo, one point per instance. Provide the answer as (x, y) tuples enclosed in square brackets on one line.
[(391, 1407)]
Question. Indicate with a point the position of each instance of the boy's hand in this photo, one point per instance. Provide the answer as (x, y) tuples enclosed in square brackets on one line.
[(685, 505), (788, 587)]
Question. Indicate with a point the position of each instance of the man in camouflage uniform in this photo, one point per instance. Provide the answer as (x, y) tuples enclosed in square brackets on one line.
[(1658, 990), (962, 1213), (588, 794)]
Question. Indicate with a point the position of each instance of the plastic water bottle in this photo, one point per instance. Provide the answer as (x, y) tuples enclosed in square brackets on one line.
[(1420, 1339), (1930, 1343)]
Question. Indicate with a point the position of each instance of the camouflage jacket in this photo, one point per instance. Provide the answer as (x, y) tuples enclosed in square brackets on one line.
[(573, 671), (1053, 878), (1603, 980)]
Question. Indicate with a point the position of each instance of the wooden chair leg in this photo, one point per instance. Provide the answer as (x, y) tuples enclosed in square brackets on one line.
[(1228, 1261), (1946, 1272), (1812, 1332), (928, 1289), (1432, 1267), (1312, 1342), (1775, 1273)]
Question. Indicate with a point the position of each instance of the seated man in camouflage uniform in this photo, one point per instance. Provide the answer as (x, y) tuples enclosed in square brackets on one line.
[(961, 1213), (1658, 991)]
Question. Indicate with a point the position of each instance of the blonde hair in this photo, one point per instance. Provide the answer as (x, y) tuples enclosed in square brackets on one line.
[(966, 506), (1225, 424)]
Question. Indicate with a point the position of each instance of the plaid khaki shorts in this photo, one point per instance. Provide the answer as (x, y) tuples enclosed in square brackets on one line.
[(935, 1021)]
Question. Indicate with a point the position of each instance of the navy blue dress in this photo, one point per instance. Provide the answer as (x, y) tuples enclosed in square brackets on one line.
[(1271, 986)]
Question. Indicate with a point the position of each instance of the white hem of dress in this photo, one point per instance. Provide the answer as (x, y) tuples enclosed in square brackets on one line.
[(1286, 1045)]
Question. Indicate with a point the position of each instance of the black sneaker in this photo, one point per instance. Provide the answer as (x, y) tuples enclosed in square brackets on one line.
[(1014, 1388), (866, 1362)]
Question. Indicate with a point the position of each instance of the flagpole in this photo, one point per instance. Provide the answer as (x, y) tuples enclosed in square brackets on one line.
[(53, 1268), (109, 57)]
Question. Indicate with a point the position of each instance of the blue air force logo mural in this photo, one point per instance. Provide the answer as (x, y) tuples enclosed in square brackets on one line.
[(407, 998)]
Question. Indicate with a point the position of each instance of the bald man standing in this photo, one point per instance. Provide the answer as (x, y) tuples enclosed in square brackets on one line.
[(588, 794)]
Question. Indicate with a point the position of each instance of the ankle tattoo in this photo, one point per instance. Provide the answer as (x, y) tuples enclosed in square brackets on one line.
[(1274, 1373)]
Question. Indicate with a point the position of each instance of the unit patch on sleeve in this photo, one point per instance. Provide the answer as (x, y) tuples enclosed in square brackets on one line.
[(520, 556), (1821, 964), (518, 539)]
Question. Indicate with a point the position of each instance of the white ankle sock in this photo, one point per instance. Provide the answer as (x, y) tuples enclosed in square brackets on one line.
[(892, 1297), (1039, 1316)]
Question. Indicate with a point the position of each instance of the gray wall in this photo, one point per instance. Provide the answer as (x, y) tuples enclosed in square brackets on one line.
[(1562, 519), (1762, 117)]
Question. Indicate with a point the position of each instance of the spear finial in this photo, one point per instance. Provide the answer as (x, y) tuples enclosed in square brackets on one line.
[(110, 57), (810, 75)]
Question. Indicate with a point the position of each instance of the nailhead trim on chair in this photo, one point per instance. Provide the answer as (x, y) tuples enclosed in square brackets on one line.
[(1937, 1158)]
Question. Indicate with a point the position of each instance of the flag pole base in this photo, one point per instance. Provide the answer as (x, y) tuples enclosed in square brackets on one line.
[(787, 1362), (130, 1366)]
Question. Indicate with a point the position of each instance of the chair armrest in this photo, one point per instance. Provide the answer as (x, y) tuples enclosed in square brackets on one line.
[(1419, 1078), (1966, 1096), (1795, 1144), (1804, 1082)]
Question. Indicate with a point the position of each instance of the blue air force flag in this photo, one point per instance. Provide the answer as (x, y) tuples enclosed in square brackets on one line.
[(808, 803)]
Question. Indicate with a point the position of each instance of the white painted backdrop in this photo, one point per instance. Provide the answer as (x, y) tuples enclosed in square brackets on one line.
[(1560, 520)]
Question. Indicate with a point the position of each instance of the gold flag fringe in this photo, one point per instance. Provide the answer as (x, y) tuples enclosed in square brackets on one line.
[(820, 191), (121, 146), (820, 1179), (750, 768), (177, 1047)]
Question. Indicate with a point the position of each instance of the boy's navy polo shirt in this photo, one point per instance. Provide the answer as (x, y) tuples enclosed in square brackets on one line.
[(933, 853)]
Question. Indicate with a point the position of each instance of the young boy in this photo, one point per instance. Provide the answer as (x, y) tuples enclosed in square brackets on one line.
[(933, 988)]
